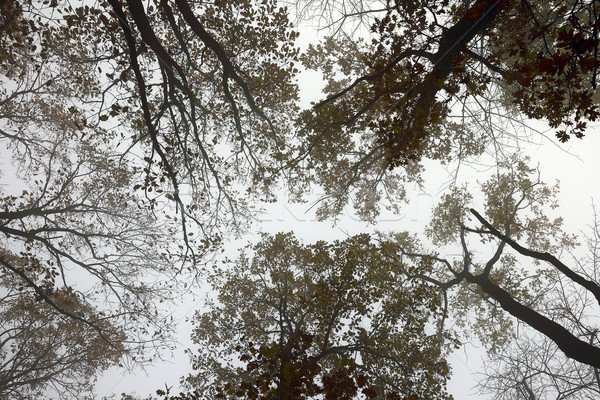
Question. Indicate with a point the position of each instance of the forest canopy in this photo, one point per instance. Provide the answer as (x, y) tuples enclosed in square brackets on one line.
[(139, 137)]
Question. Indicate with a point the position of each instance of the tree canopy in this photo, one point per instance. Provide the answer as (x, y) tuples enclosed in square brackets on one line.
[(441, 80), (137, 137), (283, 309), (44, 353), (331, 319)]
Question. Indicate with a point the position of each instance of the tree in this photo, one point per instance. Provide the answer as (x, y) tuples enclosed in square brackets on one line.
[(497, 285), (74, 235), (44, 352), (533, 367), (72, 217), (96, 197), (442, 80), (123, 134), (223, 70), (298, 321), (190, 89)]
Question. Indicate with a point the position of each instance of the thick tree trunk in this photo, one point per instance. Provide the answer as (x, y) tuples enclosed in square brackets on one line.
[(569, 344), (453, 40), (569, 273)]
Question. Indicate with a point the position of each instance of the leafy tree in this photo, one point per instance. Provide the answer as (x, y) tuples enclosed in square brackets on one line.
[(442, 80), (337, 320), (47, 353), (190, 89), (71, 217), (126, 126), (111, 166)]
